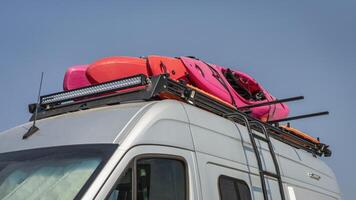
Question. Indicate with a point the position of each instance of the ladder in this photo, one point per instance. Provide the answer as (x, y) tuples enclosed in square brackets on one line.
[(255, 125)]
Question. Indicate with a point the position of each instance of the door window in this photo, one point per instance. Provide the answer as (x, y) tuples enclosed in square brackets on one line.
[(156, 179), (160, 179), (233, 189)]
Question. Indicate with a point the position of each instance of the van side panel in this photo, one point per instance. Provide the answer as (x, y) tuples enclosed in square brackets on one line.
[(220, 151), (217, 137), (297, 193), (165, 123), (304, 170)]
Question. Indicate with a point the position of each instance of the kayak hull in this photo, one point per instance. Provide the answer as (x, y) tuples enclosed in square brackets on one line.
[(116, 67), (75, 77), (205, 78), (167, 65)]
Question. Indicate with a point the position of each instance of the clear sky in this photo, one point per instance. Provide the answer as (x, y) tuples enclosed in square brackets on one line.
[(291, 47)]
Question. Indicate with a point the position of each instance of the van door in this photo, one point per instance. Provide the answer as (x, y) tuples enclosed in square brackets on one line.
[(223, 179), (150, 172)]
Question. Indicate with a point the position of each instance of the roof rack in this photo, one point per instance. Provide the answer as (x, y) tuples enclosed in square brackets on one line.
[(143, 88)]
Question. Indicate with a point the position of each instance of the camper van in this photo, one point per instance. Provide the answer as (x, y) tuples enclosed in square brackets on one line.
[(136, 146)]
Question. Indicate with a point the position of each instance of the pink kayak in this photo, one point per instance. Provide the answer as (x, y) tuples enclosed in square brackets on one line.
[(246, 91), (75, 77), (234, 87), (207, 79)]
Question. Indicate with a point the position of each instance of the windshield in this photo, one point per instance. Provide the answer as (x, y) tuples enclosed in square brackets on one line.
[(51, 173)]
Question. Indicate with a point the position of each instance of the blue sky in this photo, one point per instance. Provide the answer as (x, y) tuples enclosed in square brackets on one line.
[(291, 47)]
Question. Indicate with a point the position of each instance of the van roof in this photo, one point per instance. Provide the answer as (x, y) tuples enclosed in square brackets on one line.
[(99, 125)]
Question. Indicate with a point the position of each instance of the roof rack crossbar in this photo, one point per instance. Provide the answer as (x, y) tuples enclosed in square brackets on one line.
[(273, 102), (299, 117)]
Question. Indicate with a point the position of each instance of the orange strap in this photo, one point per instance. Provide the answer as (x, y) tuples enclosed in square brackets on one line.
[(301, 134)]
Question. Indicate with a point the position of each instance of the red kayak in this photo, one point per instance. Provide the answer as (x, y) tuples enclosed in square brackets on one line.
[(167, 65), (117, 67), (112, 68)]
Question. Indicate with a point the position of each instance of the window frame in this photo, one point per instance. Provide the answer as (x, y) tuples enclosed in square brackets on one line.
[(235, 180), (129, 165), (133, 164)]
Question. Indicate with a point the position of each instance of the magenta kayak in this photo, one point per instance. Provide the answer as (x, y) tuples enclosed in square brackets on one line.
[(207, 79), (234, 87), (246, 91), (75, 77)]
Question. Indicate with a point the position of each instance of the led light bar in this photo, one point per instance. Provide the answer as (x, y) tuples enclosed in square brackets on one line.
[(106, 87)]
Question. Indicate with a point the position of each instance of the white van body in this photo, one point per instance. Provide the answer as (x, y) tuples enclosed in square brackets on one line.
[(210, 147)]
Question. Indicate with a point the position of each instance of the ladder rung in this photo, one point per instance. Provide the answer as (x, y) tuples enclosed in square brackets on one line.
[(260, 137), (267, 173)]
